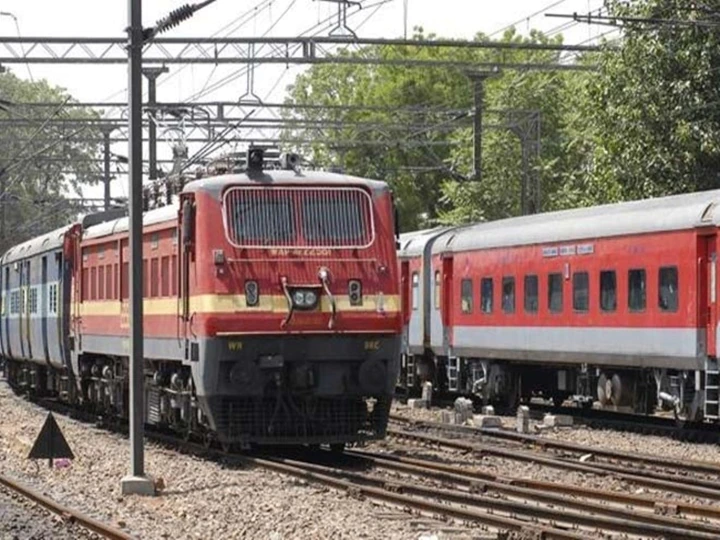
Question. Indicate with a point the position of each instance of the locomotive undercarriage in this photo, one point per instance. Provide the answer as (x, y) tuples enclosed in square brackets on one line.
[(691, 395)]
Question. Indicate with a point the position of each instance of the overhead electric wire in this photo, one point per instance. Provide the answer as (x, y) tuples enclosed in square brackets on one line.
[(532, 15)]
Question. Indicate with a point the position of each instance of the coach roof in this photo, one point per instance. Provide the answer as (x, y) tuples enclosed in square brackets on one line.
[(40, 244), (637, 217)]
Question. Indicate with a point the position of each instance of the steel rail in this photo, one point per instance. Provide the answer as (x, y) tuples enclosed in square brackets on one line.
[(672, 485), (666, 530), (547, 492), (647, 459), (68, 514)]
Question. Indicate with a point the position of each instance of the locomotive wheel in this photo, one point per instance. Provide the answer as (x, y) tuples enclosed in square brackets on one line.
[(602, 396)]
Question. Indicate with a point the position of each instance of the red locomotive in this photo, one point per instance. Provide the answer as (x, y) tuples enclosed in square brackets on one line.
[(616, 303), (271, 309)]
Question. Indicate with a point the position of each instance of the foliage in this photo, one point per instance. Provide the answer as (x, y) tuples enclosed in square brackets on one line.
[(654, 105), (645, 122), (43, 158)]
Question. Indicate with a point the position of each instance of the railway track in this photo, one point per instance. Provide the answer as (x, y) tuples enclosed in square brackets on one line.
[(471, 496), (616, 460), (67, 514)]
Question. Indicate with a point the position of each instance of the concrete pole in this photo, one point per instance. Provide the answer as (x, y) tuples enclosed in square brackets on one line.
[(137, 482)]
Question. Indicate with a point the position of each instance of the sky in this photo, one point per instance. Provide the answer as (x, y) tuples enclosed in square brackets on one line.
[(280, 18)]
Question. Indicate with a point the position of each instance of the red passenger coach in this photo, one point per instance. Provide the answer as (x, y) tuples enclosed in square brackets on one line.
[(616, 303), (272, 310)]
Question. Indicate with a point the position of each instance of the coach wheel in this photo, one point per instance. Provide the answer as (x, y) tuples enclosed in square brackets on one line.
[(337, 448), (602, 396), (614, 389)]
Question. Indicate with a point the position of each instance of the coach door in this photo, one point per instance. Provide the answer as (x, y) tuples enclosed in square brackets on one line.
[(707, 291)]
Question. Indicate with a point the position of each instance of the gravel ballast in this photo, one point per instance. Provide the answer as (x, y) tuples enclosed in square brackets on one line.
[(201, 499)]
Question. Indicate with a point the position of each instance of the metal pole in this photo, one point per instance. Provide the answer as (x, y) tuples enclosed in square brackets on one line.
[(478, 94), (106, 171), (152, 73), (137, 482)]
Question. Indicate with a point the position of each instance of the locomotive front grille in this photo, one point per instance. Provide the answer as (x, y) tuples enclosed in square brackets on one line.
[(299, 420)]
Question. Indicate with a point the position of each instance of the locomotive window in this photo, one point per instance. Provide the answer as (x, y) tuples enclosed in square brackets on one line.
[(555, 293), (93, 283), (154, 278), (165, 276), (415, 290), (101, 283), (125, 281), (668, 289), (636, 289), (608, 290), (146, 277), (108, 282), (263, 220), (486, 295), (334, 218), (508, 294), (531, 294), (436, 293), (466, 295), (581, 291)]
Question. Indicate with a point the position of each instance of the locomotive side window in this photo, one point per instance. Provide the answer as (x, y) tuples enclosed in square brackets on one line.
[(555, 293), (636, 289), (608, 290), (668, 289), (486, 295), (436, 293), (508, 294), (531, 294), (415, 290), (466, 295), (581, 291)]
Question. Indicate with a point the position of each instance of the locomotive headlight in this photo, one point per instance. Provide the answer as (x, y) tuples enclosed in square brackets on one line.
[(355, 292), (304, 298), (252, 293)]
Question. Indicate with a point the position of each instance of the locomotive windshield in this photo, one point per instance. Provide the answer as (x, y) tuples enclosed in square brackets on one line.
[(298, 217)]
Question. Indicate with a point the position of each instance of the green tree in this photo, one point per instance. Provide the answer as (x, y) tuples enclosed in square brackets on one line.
[(427, 156), (46, 155), (653, 111)]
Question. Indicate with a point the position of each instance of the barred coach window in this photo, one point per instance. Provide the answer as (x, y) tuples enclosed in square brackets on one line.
[(555, 293), (415, 290), (608, 290), (581, 291), (668, 289), (636, 289), (466, 295), (508, 294), (486, 295), (531, 294)]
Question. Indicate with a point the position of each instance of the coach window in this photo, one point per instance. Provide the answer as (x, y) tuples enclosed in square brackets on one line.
[(555, 293), (581, 291), (415, 289), (466, 295), (486, 295), (436, 293), (508, 294), (101, 282), (668, 289), (531, 294), (608, 290), (93, 283), (636, 289)]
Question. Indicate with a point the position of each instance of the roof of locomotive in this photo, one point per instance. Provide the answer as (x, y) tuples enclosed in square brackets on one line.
[(215, 184), (676, 212), (39, 244)]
